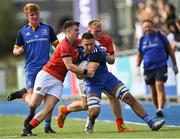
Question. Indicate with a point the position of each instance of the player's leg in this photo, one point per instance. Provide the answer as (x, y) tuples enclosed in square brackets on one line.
[(153, 93), (116, 109), (47, 125), (52, 89), (17, 94), (123, 93), (49, 104), (160, 79), (161, 98), (93, 102), (75, 106)]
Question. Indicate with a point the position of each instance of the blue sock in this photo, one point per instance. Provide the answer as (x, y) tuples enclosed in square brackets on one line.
[(47, 123), (148, 120)]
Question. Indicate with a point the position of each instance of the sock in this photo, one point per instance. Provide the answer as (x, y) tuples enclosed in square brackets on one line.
[(32, 124), (148, 120), (119, 122), (159, 109), (32, 113), (64, 110), (47, 123)]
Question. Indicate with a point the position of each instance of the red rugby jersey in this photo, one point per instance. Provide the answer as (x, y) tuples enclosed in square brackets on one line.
[(106, 41), (55, 65)]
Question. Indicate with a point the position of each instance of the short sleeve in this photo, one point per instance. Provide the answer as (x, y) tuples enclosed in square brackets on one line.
[(19, 39), (52, 35)]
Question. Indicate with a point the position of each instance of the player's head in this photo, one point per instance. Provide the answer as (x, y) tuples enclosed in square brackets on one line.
[(71, 28), (31, 11), (147, 26), (95, 27), (88, 42)]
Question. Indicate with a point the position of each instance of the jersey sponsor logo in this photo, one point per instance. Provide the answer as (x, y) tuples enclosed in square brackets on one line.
[(36, 40), (38, 88), (44, 32)]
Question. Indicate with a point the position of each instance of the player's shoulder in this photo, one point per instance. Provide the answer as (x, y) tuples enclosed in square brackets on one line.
[(97, 50), (105, 37), (44, 24)]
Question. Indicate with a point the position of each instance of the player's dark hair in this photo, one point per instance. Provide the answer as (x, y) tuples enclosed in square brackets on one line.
[(87, 35), (70, 23)]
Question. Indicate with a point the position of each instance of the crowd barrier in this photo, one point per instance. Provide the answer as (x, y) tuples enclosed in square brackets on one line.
[(125, 69)]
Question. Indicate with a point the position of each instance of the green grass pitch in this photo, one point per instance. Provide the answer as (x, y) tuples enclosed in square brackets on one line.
[(11, 127)]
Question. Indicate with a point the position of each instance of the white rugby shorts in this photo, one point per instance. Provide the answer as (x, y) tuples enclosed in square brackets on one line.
[(47, 84)]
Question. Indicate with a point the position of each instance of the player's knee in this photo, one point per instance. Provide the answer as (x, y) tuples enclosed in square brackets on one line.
[(121, 92), (93, 102), (33, 105), (129, 99)]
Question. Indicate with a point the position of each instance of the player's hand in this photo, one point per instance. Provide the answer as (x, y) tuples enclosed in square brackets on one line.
[(175, 69), (18, 51), (104, 48), (90, 73)]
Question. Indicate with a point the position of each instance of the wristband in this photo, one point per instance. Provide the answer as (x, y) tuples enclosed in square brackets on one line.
[(85, 72)]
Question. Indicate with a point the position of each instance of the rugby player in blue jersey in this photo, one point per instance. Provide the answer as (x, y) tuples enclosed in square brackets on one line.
[(34, 40), (106, 42), (104, 80), (154, 49)]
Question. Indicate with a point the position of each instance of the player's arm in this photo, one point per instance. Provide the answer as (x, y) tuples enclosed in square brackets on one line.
[(139, 59), (92, 66), (53, 38), (110, 58), (75, 69), (173, 58), (18, 49)]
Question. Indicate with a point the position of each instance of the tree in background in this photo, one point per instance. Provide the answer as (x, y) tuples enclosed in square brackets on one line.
[(9, 27)]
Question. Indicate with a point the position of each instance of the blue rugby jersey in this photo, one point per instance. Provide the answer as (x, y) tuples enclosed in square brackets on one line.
[(98, 55), (154, 51), (36, 44)]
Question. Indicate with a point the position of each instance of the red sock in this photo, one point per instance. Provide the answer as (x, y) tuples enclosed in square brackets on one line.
[(34, 122), (64, 110), (119, 121)]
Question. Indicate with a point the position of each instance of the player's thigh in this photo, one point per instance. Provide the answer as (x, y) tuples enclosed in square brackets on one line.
[(149, 77), (36, 100), (111, 84), (84, 101), (161, 74), (50, 101)]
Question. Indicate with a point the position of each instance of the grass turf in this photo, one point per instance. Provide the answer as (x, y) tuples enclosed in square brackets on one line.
[(11, 127)]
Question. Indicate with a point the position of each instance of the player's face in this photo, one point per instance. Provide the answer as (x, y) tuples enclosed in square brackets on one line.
[(97, 32), (88, 45), (74, 32), (147, 28), (33, 18)]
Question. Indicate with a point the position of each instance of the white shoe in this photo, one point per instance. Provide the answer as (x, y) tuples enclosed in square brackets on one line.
[(89, 126), (157, 125)]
